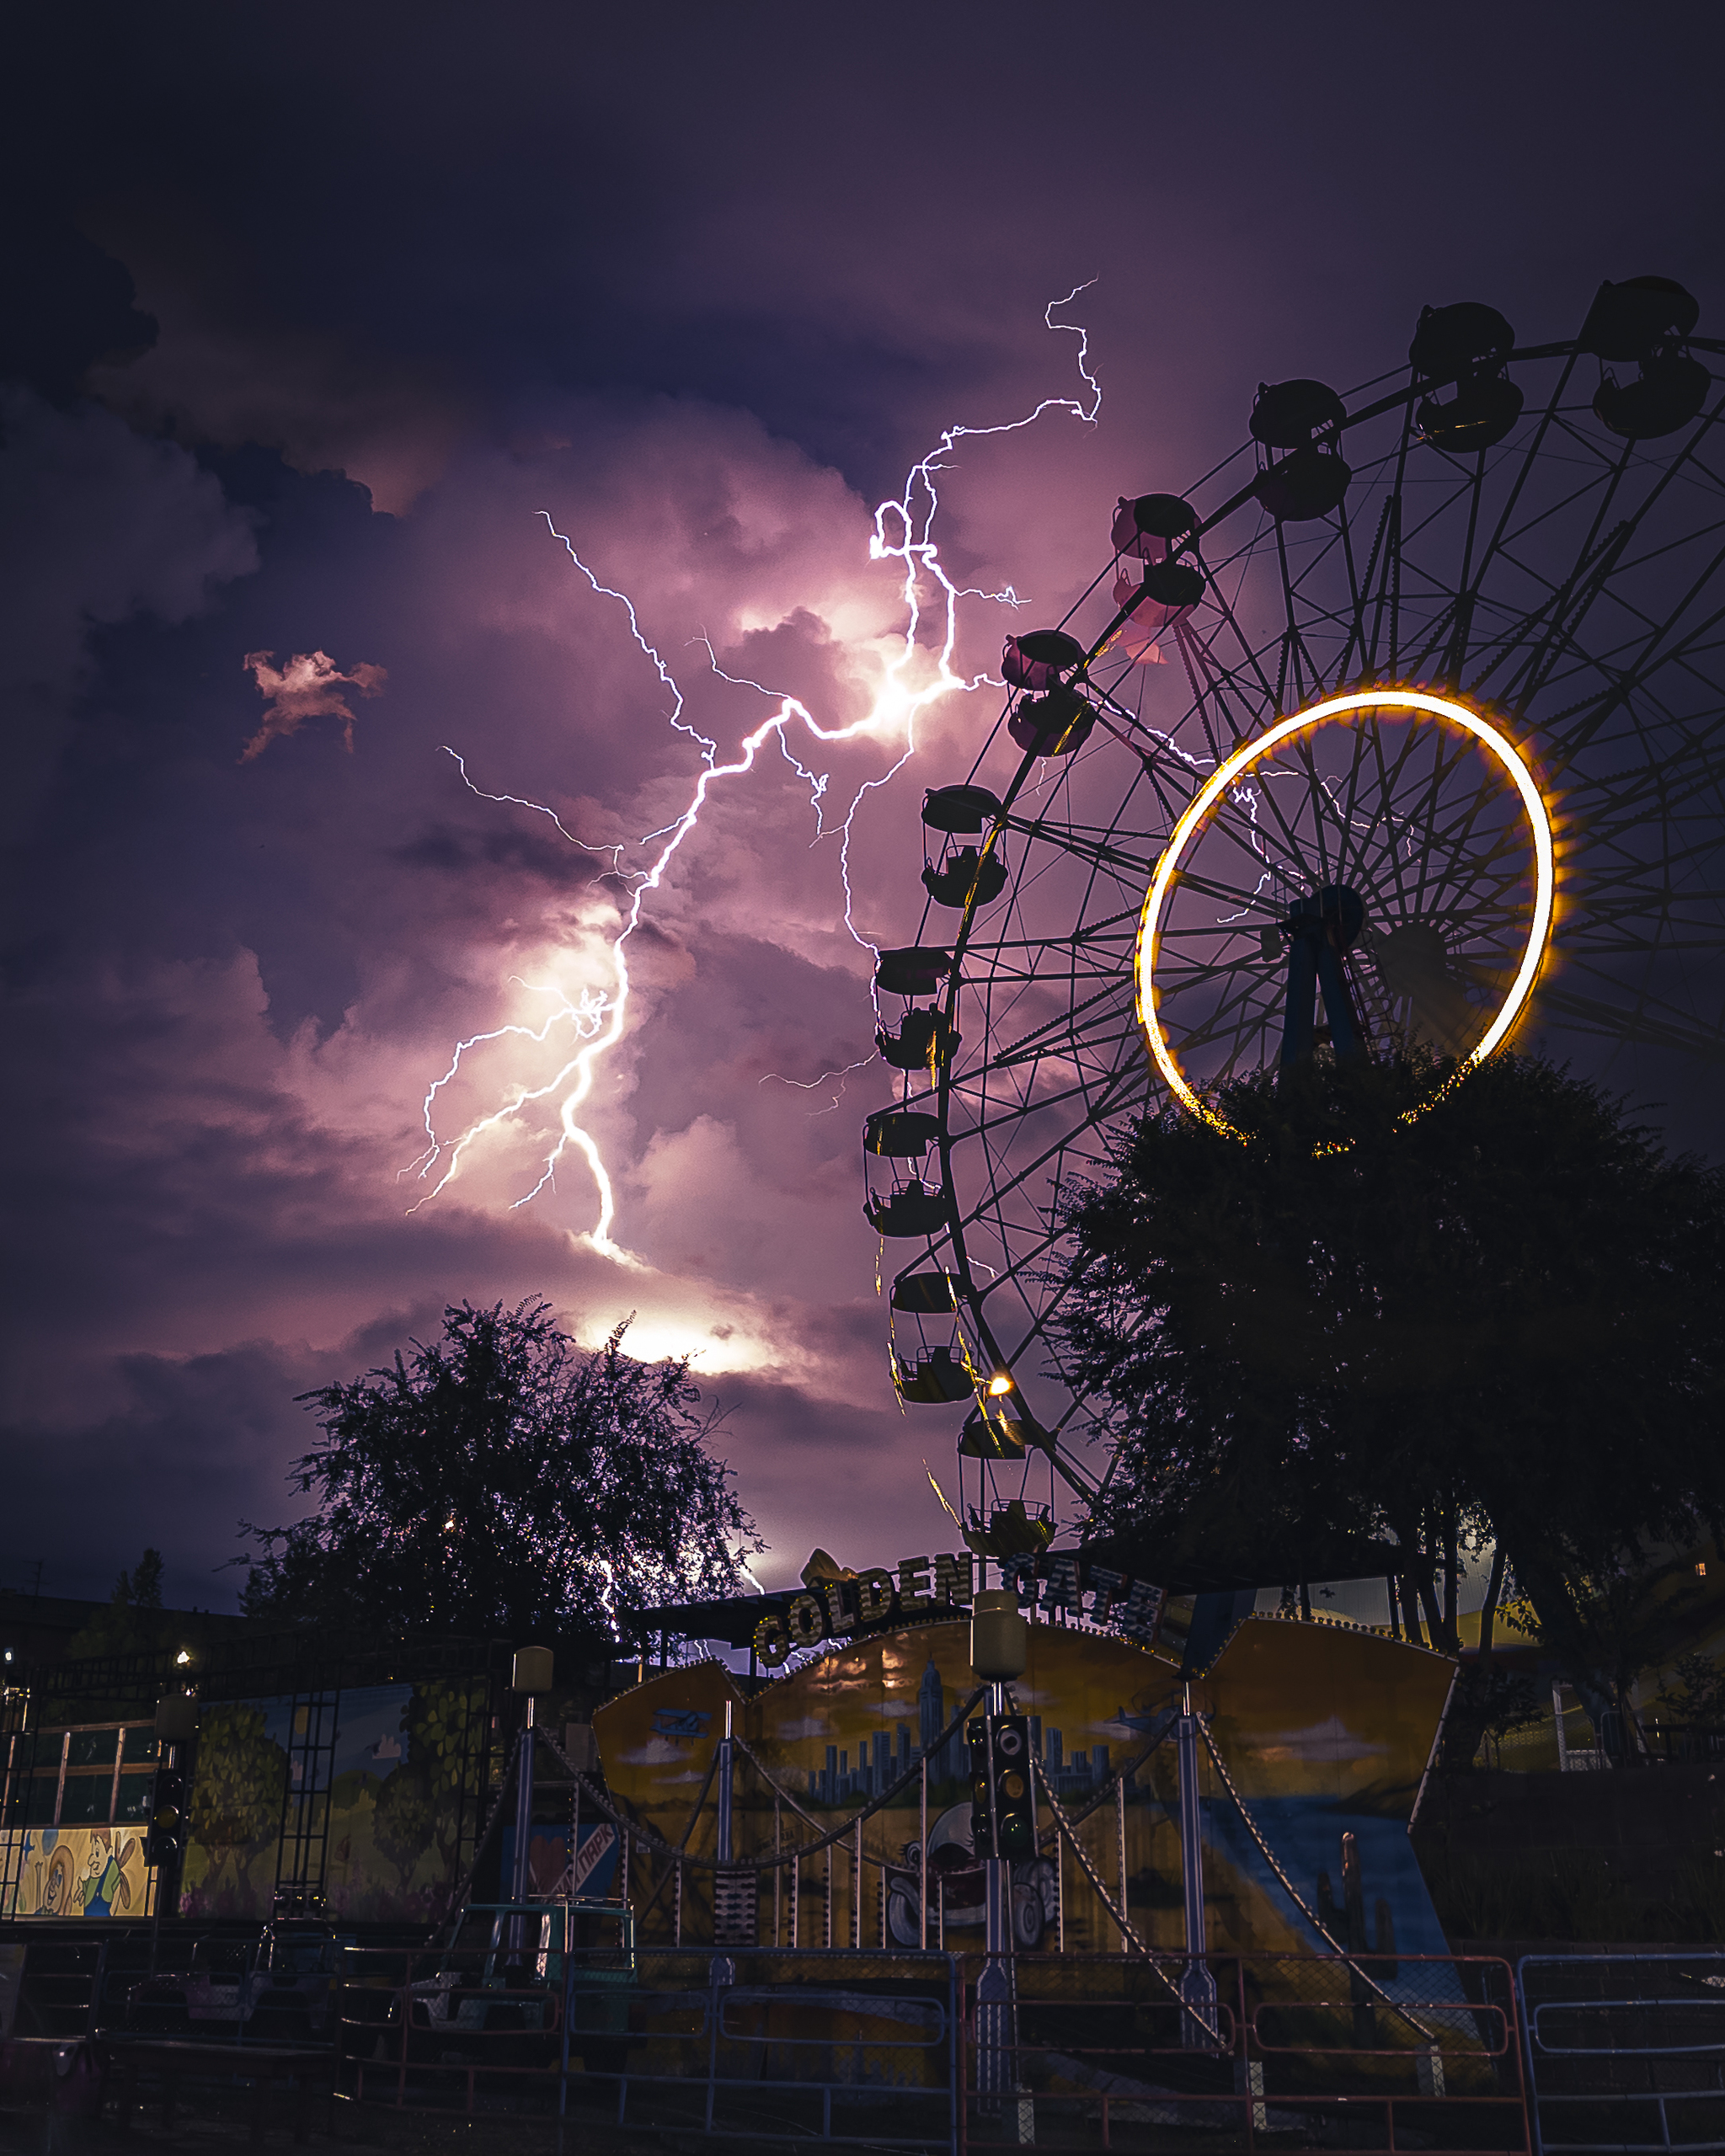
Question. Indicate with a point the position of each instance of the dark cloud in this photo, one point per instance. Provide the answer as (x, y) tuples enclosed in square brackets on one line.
[(446, 850), (70, 306), (189, 1448)]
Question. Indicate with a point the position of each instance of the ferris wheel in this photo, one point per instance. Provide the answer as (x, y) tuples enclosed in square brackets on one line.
[(1404, 722)]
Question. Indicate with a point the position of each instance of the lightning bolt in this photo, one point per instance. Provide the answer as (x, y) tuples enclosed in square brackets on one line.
[(814, 1085), (903, 533)]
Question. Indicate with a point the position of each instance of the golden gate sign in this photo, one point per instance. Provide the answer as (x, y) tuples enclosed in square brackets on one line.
[(924, 1588)]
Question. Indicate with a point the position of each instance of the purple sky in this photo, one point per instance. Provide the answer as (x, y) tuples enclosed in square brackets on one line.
[(701, 285)]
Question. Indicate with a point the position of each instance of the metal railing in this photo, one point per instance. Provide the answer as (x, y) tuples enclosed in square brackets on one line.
[(1569, 2055), (1624, 2051), (1357, 2051), (753, 2044)]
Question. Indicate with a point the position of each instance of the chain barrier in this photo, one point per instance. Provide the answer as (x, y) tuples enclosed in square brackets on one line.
[(777, 1861), (1287, 1887)]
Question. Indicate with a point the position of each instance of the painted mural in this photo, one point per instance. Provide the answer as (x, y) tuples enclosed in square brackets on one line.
[(391, 1767), (1325, 1732), (76, 1872)]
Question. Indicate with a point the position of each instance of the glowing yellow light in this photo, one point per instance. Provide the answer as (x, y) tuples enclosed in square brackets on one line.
[(997, 1386), (182, 1658), (1252, 752)]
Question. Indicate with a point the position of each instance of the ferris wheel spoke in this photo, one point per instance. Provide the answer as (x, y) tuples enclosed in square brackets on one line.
[(1613, 548), (1066, 1021), (1447, 760), (1454, 657), (1350, 809), (1458, 847), (1648, 666), (1529, 463), (1009, 1115), (1297, 852), (1391, 775), (1634, 1022), (1243, 897), (1239, 985), (1249, 656), (1361, 586), (1077, 845), (1012, 1184)]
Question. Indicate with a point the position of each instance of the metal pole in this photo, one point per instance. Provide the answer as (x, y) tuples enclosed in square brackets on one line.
[(997, 1931), (994, 1987), (856, 1891), (725, 1788), (922, 1860), (1198, 1987), (162, 1866), (524, 1808), (1120, 1837), (519, 1874), (778, 1869), (563, 2078), (724, 1970)]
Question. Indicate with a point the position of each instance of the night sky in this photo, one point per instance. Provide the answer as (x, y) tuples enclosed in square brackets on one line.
[(320, 319)]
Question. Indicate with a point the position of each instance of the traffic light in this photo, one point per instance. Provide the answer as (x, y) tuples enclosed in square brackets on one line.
[(1002, 1809), (165, 1837)]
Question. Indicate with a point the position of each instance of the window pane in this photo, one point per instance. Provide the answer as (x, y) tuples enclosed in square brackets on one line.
[(40, 1751), (92, 1747), (140, 1742), (135, 1797), (86, 1800), (31, 1802)]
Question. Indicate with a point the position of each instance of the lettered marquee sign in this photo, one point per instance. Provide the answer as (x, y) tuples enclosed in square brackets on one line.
[(922, 1589)]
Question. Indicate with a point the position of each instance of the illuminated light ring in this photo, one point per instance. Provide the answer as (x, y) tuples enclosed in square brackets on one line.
[(1144, 962)]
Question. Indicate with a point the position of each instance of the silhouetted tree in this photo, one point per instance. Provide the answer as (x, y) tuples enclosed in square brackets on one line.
[(128, 1623), (1502, 1317), (503, 1481)]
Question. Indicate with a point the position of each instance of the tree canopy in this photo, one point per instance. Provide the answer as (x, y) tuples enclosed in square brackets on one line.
[(1503, 1317), (504, 1481), (129, 1623)]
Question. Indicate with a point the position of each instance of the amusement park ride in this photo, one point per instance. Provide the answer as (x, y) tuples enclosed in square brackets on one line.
[(1401, 723)]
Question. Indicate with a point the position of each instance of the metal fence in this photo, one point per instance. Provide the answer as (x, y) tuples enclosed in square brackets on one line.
[(1624, 2051), (72, 1983), (761, 2045), (1572, 2055), (1163, 2053), (937, 2051)]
